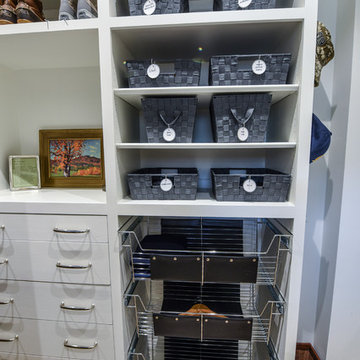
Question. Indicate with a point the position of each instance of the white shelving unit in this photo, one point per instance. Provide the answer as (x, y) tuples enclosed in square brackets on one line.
[(72, 75)]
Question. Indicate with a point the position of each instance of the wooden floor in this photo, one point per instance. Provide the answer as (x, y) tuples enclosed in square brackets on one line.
[(303, 355), (305, 351)]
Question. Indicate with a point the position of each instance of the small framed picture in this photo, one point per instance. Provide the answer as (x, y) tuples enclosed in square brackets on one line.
[(72, 158), (24, 172)]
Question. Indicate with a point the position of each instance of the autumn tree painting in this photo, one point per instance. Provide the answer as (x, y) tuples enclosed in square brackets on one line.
[(75, 157)]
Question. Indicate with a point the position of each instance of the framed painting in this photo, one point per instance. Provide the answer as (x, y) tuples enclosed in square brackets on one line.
[(72, 158)]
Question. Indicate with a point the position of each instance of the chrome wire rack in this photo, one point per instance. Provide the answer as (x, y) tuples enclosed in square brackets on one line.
[(255, 305), (160, 348), (237, 241)]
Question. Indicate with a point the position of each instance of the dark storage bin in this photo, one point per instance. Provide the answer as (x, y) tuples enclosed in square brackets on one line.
[(178, 113), (243, 5), (260, 184), (210, 269), (177, 73), (205, 327), (163, 184), (138, 7), (247, 70), (231, 113)]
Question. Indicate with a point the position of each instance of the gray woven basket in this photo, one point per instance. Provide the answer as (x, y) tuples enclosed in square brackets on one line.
[(145, 184), (186, 73), (136, 7), (237, 69), (169, 109), (226, 126), (271, 185), (234, 5)]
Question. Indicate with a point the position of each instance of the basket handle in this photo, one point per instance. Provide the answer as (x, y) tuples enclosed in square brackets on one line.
[(242, 120), (163, 117)]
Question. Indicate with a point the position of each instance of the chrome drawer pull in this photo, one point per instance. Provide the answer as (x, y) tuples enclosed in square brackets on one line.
[(84, 347), (73, 266), (69, 231), (6, 302), (4, 261), (2, 227), (15, 337), (76, 308)]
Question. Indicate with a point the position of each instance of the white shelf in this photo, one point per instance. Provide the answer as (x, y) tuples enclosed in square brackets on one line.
[(67, 201), (204, 93), (206, 206), (206, 146), (208, 18), (49, 27), (50, 45)]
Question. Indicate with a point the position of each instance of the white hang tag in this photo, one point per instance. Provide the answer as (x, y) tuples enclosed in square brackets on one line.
[(149, 7), (166, 184), (169, 134), (244, 3), (153, 71), (259, 67), (243, 133), (249, 185)]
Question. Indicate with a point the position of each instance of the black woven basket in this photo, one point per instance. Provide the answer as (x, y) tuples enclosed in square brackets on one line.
[(271, 185), (136, 7), (234, 5), (231, 112), (237, 69), (179, 112), (145, 184), (185, 73)]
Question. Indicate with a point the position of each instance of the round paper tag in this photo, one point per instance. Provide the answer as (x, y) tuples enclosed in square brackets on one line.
[(244, 3), (249, 185), (259, 67), (153, 71), (243, 134), (149, 7), (166, 184), (169, 134)]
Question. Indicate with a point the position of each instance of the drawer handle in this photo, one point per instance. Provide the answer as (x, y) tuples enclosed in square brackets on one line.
[(15, 337), (6, 302), (69, 231), (75, 346), (76, 308), (2, 227), (73, 266), (4, 261)]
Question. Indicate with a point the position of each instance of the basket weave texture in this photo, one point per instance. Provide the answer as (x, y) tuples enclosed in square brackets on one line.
[(187, 73), (144, 184), (136, 7), (169, 107), (271, 185), (222, 5), (237, 69), (225, 126)]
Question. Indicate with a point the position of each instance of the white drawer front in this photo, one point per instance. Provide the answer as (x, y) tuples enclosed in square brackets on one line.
[(46, 338), (43, 301), (7, 356), (37, 261), (41, 227)]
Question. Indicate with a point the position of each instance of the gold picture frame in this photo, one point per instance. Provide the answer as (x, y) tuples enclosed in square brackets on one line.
[(72, 158)]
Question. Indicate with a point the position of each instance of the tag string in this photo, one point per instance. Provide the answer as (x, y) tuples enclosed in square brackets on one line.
[(243, 120), (163, 115)]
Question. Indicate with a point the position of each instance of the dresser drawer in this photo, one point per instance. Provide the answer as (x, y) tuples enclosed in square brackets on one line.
[(47, 338), (54, 227), (7, 356), (57, 302), (54, 261)]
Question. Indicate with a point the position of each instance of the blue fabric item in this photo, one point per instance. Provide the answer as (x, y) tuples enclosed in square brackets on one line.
[(320, 139)]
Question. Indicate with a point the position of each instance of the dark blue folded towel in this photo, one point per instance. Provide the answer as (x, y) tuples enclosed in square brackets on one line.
[(320, 139)]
